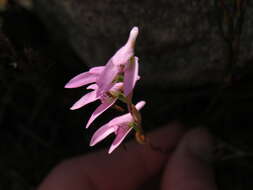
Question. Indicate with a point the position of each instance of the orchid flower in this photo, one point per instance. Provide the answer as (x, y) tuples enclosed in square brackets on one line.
[(116, 80), (107, 100), (121, 126), (122, 62)]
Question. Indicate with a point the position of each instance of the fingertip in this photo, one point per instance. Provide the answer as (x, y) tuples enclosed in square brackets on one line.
[(200, 143), (189, 167)]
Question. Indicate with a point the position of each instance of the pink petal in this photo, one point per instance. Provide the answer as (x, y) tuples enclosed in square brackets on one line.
[(140, 105), (131, 76), (104, 81), (92, 87), (132, 37), (121, 133), (86, 99), (126, 118), (100, 109), (81, 79), (122, 56), (116, 87), (102, 133), (97, 70)]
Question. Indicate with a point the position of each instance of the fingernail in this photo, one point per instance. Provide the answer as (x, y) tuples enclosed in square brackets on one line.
[(200, 143)]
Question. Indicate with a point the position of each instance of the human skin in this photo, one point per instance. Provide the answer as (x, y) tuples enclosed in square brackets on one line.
[(184, 166)]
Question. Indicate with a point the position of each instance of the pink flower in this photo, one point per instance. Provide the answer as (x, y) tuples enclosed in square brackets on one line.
[(116, 80), (122, 62), (121, 126), (107, 100)]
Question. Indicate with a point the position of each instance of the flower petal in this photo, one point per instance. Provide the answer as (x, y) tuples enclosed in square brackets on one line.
[(102, 133), (92, 87), (81, 80), (131, 76), (116, 87), (122, 56), (121, 133), (97, 70), (126, 118), (100, 109), (132, 37), (140, 105), (104, 81), (86, 99)]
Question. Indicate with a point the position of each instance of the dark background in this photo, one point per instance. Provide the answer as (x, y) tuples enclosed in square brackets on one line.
[(39, 53)]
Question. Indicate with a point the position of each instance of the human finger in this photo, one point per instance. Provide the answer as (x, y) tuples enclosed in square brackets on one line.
[(190, 166), (121, 170)]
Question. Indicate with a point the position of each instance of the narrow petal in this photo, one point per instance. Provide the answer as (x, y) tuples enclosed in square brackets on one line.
[(92, 87), (81, 80), (140, 105), (122, 56), (131, 76), (121, 133), (100, 109), (106, 78), (126, 118), (102, 133), (97, 70), (86, 99), (132, 37)]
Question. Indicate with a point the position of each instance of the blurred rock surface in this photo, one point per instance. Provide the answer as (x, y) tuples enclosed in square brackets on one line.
[(179, 42)]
